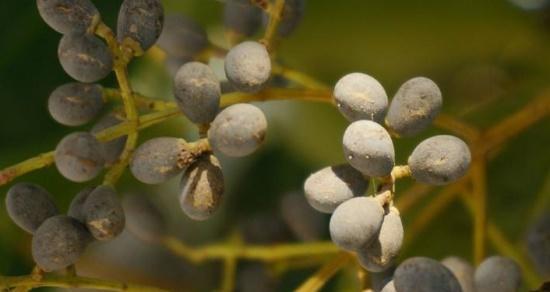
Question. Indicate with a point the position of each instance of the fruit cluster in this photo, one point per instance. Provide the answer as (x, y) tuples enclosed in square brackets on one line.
[(365, 224)]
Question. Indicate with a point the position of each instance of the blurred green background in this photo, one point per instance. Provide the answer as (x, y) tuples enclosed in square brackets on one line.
[(489, 57)]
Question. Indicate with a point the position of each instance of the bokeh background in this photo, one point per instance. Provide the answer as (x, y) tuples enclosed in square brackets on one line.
[(489, 57)]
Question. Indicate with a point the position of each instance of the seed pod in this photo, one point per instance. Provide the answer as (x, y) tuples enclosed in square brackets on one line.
[(59, 242), (497, 274), (414, 107), (198, 92), (331, 186), (111, 149), (248, 66), (238, 130), (440, 160), (84, 57), (75, 104), (424, 275), (76, 208), (202, 187), (242, 17), (381, 253), (79, 157), (29, 205), (141, 21), (143, 218), (157, 160), (104, 214), (369, 148), (360, 97), (463, 272), (182, 37), (355, 223), (68, 16)]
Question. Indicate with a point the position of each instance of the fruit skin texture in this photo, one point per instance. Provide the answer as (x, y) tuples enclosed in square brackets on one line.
[(359, 96), (68, 16), (498, 274), (75, 104), (327, 188), (143, 218), (414, 107), (381, 253), (422, 274), (84, 57), (59, 242), (29, 205), (248, 66), (182, 37), (157, 160), (355, 223), (462, 270), (202, 188), (141, 21), (111, 149), (440, 160), (104, 214), (238, 130), (197, 92), (369, 148), (79, 157)]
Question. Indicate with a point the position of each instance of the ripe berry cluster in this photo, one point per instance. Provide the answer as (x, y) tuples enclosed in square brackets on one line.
[(367, 225)]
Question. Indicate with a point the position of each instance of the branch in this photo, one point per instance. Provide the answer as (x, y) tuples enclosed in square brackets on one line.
[(325, 273), (9, 282), (275, 12), (249, 252)]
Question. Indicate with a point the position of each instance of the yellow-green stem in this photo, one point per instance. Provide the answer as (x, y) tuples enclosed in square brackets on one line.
[(59, 281)]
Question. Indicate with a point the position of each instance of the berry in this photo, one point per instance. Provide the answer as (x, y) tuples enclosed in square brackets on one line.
[(248, 66), (141, 21), (369, 148), (59, 242), (79, 157), (355, 223), (414, 107), (359, 96), (76, 208), (424, 275), (497, 273), (157, 160), (382, 252), (440, 160), (197, 92), (242, 17), (111, 149), (103, 212), (84, 57), (238, 130), (182, 37), (75, 104), (202, 187), (538, 243), (462, 270), (143, 218), (29, 205), (331, 186), (305, 223), (68, 16)]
